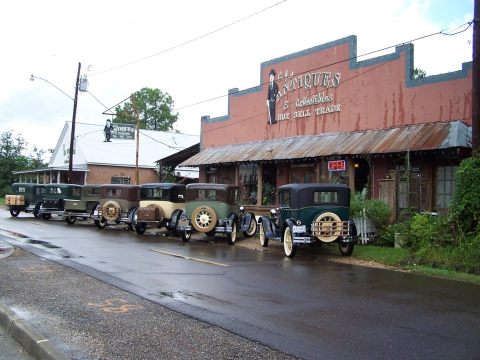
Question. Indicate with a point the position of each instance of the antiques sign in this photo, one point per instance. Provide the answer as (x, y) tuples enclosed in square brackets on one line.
[(123, 131), (322, 102)]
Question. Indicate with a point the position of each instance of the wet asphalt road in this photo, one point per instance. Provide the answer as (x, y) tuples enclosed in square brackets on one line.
[(307, 307)]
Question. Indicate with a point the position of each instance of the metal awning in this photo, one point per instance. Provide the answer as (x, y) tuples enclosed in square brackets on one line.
[(421, 137)]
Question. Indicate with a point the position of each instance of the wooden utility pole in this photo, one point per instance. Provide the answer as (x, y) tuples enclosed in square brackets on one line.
[(137, 176), (476, 79), (72, 135)]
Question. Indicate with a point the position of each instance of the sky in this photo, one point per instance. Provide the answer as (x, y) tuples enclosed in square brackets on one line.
[(194, 50)]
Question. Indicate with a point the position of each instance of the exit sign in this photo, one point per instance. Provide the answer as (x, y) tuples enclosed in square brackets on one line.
[(336, 165)]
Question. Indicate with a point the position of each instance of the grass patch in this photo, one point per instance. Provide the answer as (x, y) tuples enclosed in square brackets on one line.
[(444, 273), (385, 255)]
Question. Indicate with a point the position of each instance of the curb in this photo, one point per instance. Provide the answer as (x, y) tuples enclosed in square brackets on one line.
[(35, 343)]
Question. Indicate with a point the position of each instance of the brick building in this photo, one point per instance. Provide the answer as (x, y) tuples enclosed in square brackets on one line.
[(368, 124)]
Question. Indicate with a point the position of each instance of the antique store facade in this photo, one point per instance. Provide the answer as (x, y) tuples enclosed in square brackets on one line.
[(332, 118)]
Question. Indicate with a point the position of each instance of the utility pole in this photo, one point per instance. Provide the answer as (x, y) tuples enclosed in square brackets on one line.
[(137, 176), (476, 79), (72, 136)]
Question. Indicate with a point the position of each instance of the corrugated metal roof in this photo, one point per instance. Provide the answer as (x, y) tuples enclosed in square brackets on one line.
[(428, 136)]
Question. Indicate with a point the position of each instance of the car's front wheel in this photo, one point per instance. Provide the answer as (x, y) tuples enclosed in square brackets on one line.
[(232, 237), (263, 237), (288, 244), (46, 216), (346, 249), (252, 228)]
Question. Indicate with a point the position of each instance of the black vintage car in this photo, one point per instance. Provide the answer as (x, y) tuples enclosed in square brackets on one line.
[(25, 197), (54, 199), (161, 205), (310, 213), (214, 208)]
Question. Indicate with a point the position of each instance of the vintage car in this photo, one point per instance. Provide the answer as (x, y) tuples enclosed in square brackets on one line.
[(160, 205), (118, 203), (82, 208), (25, 197), (214, 208), (54, 200), (310, 213)]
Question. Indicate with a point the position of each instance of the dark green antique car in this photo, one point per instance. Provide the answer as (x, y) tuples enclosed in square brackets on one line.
[(161, 205), (54, 200), (118, 203), (310, 213), (82, 208), (26, 197), (214, 208)]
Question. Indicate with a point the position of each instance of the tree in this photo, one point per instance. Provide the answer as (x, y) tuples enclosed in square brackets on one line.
[(12, 158), (419, 73), (154, 110)]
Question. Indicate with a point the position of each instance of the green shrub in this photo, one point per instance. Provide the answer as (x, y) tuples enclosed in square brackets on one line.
[(426, 230), (465, 206), (376, 210), (387, 236)]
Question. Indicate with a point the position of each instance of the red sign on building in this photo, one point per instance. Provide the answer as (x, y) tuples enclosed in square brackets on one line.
[(336, 165)]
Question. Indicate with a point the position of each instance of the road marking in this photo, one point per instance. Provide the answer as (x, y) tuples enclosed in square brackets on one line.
[(189, 258), (110, 306)]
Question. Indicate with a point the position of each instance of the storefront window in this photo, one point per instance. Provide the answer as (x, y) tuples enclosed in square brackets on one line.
[(247, 180), (445, 185)]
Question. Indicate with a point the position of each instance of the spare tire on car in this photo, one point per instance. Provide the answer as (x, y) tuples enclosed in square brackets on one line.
[(204, 219), (111, 210)]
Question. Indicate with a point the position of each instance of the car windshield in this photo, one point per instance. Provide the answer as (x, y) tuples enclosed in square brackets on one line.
[(155, 194), (114, 193)]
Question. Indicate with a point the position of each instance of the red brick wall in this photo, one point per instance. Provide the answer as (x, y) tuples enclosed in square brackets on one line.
[(372, 94), (100, 174)]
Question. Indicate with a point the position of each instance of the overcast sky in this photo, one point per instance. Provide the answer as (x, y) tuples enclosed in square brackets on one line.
[(49, 38)]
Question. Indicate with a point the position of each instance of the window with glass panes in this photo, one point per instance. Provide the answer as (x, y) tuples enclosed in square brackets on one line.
[(445, 185)]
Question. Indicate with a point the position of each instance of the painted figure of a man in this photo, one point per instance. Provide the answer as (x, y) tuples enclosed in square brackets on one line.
[(108, 131), (271, 98)]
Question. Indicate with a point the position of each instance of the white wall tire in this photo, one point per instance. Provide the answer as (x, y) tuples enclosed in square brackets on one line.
[(288, 244)]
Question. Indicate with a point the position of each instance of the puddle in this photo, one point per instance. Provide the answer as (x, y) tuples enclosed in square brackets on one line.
[(171, 295), (43, 243)]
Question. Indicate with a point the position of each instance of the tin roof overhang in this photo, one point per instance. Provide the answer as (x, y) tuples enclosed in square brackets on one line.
[(429, 136)]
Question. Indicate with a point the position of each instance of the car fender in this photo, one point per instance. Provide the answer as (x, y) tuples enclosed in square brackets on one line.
[(269, 226), (174, 219), (246, 219)]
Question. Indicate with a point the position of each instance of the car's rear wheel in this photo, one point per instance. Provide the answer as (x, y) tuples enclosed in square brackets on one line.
[(346, 249), (186, 235), (263, 237), (232, 237), (204, 219), (100, 223), (140, 228), (288, 244), (70, 220), (252, 228), (14, 212), (46, 216)]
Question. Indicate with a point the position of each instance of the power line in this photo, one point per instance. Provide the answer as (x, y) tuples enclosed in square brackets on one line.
[(189, 41)]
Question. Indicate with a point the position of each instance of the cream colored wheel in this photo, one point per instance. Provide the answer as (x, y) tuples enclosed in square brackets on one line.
[(329, 228), (288, 245), (204, 219), (111, 210), (232, 237)]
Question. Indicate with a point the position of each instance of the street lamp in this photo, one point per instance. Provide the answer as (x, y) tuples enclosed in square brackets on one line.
[(82, 86)]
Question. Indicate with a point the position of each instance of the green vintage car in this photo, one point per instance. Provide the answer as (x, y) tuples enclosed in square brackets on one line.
[(84, 207), (310, 213), (26, 197), (215, 208), (54, 200)]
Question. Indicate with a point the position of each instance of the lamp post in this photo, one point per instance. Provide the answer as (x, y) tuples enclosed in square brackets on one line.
[(75, 100)]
